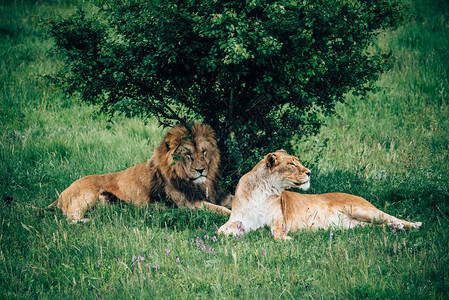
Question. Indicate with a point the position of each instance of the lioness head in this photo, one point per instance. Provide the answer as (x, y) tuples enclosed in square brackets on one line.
[(192, 153), (287, 170)]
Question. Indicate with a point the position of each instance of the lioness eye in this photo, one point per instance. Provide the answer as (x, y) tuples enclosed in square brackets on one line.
[(204, 153), (292, 164), (189, 155)]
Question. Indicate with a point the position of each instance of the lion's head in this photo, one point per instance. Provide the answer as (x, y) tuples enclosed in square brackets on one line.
[(188, 157), (287, 170), (192, 153)]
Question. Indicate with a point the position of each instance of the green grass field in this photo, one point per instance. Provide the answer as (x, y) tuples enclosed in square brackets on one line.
[(392, 147)]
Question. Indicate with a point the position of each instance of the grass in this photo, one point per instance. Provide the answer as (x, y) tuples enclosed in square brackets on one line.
[(391, 147)]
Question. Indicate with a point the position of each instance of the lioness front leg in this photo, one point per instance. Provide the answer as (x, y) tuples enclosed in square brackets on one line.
[(231, 227)]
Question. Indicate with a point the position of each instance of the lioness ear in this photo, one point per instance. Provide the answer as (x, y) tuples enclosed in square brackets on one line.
[(272, 160)]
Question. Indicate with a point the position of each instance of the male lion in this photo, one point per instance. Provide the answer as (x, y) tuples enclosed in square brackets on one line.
[(260, 200), (183, 169)]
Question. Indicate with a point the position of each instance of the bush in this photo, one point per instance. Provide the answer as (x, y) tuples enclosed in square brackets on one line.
[(256, 71)]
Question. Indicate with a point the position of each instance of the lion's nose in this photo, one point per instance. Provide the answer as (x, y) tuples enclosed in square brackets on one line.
[(308, 172), (200, 170)]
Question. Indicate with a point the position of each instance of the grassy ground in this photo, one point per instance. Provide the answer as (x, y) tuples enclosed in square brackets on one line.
[(391, 147)]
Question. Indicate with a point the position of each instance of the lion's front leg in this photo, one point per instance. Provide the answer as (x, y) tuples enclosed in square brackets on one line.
[(178, 197), (213, 207), (181, 201), (227, 201)]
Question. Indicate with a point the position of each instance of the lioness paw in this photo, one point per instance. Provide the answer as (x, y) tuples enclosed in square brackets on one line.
[(234, 228), (417, 225), (400, 226), (224, 230)]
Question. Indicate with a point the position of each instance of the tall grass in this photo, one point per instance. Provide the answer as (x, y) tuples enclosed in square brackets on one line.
[(390, 147)]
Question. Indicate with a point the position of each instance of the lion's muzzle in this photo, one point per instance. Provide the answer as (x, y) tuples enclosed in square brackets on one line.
[(200, 179)]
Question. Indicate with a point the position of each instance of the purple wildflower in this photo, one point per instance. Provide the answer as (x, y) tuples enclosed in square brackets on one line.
[(134, 258), (177, 259), (394, 229), (157, 267), (331, 234), (203, 245), (240, 231), (167, 251), (239, 227), (98, 264)]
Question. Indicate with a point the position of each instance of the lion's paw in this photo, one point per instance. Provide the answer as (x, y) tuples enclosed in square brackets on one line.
[(79, 221)]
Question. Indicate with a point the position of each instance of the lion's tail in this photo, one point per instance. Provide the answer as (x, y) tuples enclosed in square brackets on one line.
[(42, 208), (53, 204)]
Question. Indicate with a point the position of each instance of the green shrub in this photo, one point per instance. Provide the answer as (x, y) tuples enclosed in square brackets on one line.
[(258, 72)]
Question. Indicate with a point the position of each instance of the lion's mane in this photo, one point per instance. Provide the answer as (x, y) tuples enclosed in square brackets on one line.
[(169, 165)]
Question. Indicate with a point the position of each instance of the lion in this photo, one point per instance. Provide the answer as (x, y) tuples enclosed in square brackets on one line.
[(260, 199), (183, 170)]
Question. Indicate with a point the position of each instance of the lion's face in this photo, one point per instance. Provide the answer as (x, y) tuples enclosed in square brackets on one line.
[(196, 161), (194, 155), (288, 170)]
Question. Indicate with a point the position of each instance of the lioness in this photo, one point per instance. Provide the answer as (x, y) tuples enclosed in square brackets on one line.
[(184, 169), (260, 200)]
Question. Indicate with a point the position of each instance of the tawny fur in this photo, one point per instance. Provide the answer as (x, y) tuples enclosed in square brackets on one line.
[(257, 197), (260, 200), (184, 169)]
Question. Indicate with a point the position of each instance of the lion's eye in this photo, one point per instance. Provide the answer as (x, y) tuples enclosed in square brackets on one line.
[(189, 156), (204, 153), (292, 164)]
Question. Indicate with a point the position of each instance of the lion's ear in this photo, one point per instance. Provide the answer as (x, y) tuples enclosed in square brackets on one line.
[(172, 141), (272, 160)]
